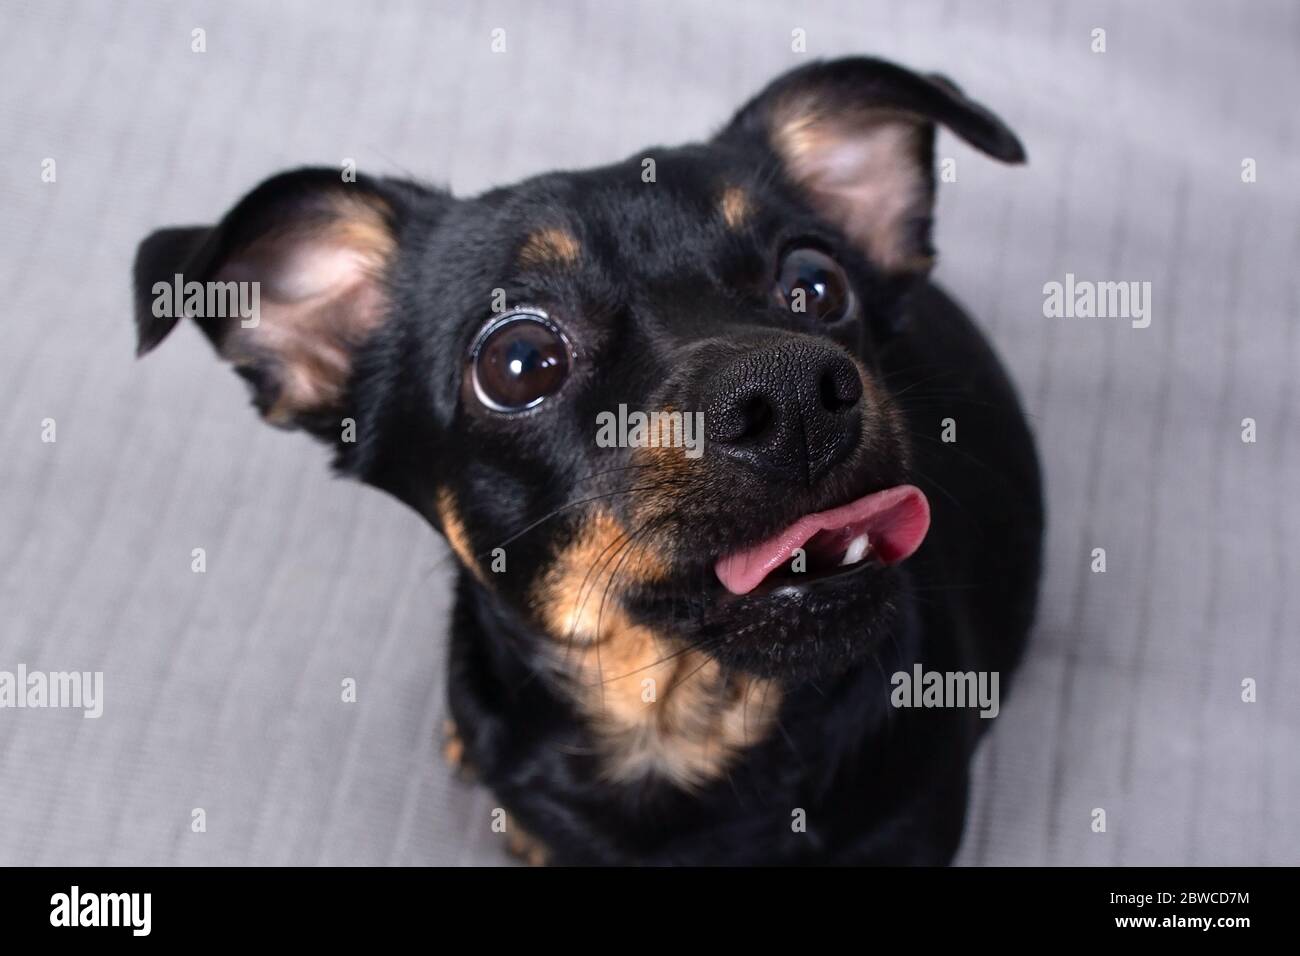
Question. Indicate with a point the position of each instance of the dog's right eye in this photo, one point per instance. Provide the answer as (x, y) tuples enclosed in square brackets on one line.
[(518, 360)]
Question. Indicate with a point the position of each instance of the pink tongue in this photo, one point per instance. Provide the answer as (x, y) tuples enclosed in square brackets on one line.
[(895, 520)]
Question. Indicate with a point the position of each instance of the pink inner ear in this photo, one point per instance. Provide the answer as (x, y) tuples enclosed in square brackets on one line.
[(319, 295), (862, 172), (298, 270)]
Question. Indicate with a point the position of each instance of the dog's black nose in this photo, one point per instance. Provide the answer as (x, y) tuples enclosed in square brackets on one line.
[(791, 409)]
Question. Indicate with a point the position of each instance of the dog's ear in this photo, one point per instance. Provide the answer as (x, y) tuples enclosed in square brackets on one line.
[(857, 137), (286, 286)]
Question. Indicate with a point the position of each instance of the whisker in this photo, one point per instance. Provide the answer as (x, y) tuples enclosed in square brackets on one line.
[(573, 504)]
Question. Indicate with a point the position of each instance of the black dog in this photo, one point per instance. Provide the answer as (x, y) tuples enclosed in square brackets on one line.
[(659, 654)]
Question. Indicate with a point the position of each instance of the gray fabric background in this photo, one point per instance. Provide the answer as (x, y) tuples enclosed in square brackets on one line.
[(222, 689)]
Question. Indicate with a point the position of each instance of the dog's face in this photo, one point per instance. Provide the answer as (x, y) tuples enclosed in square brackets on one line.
[(488, 360)]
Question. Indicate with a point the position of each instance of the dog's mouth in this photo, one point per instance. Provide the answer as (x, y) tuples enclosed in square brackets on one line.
[(814, 597), (884, 527)]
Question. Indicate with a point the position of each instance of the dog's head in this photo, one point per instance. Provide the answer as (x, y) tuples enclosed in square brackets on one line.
[(495, 362)]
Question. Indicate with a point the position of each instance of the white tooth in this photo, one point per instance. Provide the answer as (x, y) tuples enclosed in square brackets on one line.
[(857, 548)]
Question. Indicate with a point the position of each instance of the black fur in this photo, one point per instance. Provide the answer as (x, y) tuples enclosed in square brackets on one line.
[(663, 294)]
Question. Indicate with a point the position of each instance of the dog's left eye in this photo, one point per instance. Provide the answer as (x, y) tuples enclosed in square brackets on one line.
[(810, 282), (518, 360)]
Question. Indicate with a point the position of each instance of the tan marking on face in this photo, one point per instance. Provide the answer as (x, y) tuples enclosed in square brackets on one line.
[(550, 247), (664, 466), (656, 707), (882, 417), (453, 529), (736, 207)]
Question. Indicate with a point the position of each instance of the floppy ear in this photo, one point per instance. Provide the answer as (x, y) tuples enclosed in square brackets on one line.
[(286, 287), (856, 136)]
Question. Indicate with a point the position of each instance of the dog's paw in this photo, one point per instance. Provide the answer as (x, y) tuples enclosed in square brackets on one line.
[(525, 847), (453, 752)]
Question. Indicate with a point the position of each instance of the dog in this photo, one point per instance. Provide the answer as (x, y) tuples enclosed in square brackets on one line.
[(657, 656)]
